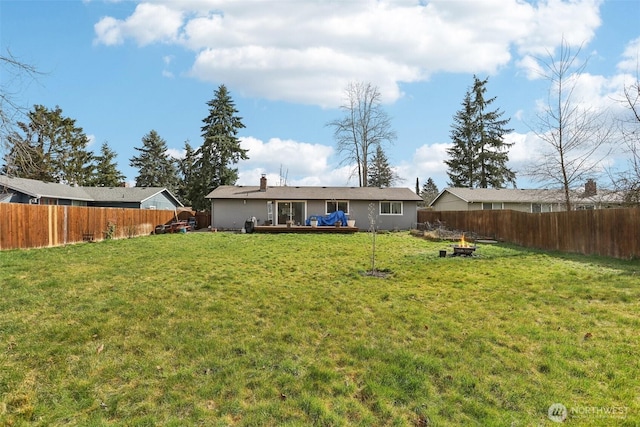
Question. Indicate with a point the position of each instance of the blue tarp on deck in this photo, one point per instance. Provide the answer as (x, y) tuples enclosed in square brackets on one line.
[(330, 219)]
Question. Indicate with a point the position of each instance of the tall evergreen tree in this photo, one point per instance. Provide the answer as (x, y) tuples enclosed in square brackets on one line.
[(186, 191), (493, 150), (479, 155), (106, 170), (79, 167), (50, 148), (429, 191), (155, 167), (220, 149), (462, 162), (380, 173)]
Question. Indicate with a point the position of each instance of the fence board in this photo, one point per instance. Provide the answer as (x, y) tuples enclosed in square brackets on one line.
[(34, 226), (607, 232)]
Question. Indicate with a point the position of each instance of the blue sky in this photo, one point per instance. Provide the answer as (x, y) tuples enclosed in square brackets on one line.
[(123, 68)]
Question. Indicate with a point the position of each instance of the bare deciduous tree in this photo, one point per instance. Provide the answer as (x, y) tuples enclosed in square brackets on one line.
[(577, 137), (364, 127), (629, 181), (15, 73)]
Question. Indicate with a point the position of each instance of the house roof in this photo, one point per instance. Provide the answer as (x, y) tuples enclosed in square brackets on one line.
[(126, 194), (512, 195), (35, 188), (313, 193), (508, 195)]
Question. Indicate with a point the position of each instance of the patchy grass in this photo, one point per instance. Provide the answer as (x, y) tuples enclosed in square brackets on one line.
[(236, 329)]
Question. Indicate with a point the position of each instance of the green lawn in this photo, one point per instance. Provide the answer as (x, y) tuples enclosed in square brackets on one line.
[(236, 329)]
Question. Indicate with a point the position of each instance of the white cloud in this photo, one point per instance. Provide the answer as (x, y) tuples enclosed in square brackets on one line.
[(596, 92), (337, 177), (431, 157), (91, 140), (108, 31), (300, 163), (531, 66), (427, 162), (176, 153), (630, 62), (167, 59), (526, 148), (306, 51), (148, 24), (551, 21), (259, 70)]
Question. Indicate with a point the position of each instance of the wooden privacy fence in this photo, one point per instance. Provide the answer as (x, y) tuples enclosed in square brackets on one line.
[(34, 226), (607, 232)]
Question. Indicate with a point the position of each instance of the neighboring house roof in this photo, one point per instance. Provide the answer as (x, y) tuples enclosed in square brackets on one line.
[(509, 195), (313, 193), (605, 197), (37, 189), (126, 194), (512, 195)]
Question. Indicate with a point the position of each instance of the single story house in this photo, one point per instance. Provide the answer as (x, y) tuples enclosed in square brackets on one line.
[(533, 201), (31, 191), (392, 208)]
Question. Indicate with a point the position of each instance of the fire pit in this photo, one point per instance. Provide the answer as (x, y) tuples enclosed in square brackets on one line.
[(463, 248)]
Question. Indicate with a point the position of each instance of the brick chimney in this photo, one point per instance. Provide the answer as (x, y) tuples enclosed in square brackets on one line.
[(263, 183), (590, 188)]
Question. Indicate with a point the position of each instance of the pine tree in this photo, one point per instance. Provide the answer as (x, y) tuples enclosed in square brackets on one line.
[(106, 170), (380, 173), (50, 148), (79, 167), (479, 155), (462, 162), (220, 149), (429, 191), (493, 152), (155, 167), (186, 167)]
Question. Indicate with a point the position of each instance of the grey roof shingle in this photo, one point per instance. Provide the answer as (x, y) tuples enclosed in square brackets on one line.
[(512, 195), (507, 195), (313, 193), (123, 194), (35, 188)]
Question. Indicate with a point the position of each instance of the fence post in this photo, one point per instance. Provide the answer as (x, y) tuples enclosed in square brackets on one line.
[(50, 224), (65, 228)]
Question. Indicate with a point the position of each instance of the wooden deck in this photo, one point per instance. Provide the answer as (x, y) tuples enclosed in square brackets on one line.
[(303, 229)]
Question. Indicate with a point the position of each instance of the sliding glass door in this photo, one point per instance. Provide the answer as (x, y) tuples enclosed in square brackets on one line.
[(294, 211)]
